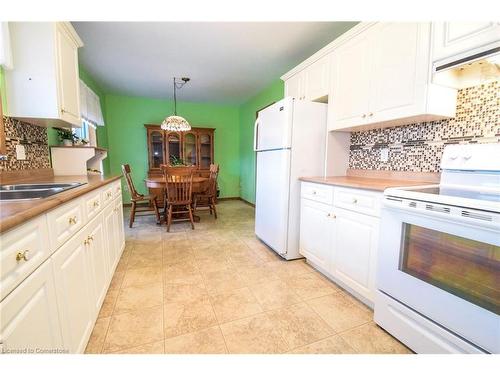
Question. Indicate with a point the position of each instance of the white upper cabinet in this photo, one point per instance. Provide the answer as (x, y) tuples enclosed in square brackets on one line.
[(312, 83), (43, 87), (294, 87), (456, 38), (382, 78), (350, 93), (316, 82)]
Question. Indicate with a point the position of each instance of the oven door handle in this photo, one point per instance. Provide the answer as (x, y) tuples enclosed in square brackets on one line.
[(455, 215)]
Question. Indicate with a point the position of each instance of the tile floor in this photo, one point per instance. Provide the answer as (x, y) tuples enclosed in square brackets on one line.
[(217, 289)]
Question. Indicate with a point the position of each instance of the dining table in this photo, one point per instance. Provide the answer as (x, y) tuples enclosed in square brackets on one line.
[(158, 182)]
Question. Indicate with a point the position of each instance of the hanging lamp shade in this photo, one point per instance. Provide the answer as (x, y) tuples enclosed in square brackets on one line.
[(174, 122)]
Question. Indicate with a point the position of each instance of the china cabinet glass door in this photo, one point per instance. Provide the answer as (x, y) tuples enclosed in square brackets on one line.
[(205, 151), (190, 151), (156, 149), (174, 148)]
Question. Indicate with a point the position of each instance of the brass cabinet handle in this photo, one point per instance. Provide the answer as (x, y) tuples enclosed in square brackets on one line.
[(96, 203), (363, 115), (354, 200), (333, 216), (89, 239), (22, 256), (109, 194), (86, 242), (72, 220), (370, 114)]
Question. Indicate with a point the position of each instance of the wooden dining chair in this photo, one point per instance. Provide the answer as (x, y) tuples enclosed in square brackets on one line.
[(178, 193), (135, 198), (207, 198)]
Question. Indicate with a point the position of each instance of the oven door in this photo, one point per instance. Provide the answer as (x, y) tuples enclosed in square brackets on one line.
[(445, 268)]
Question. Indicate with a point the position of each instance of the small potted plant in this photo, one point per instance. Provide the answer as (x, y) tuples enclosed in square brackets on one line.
[(176, 162), (66, 137)]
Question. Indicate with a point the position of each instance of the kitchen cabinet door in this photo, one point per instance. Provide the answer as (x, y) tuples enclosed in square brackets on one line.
[(316, 230), (68, 80), (294, 86), (28, 316), (354, 249), (397, 57), (111, 230), (72, 276), (348, 102), (316, 80), (455, 38), (98, 259), (120, 232)]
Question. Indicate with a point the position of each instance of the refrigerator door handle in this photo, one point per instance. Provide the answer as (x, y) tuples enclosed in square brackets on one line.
[(255, 134)]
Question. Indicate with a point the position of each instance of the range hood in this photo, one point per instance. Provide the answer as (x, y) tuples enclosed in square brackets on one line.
[(476, 68)]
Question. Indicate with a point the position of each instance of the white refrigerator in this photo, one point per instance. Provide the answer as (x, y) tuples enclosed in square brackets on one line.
[(289, 140)]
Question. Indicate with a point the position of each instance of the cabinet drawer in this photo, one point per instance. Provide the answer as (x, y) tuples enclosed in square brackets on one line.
[(362, 201), (93, 204), (65, 221), (317, 192), (32, 241), (107, 194)]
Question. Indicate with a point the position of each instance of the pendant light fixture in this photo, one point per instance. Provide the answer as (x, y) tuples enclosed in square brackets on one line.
[(174, 122)]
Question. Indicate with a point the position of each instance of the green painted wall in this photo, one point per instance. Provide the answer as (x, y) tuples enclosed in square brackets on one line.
[(125, 119), (247, 115)]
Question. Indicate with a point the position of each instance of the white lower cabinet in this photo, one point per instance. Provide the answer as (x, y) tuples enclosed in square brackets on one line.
[(316, 231), (354, 248), (29, 320), (73, 278), (98, 259), (57, 301), (340, 242)]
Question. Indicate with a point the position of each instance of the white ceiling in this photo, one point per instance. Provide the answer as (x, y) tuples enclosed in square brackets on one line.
[(227, 62)]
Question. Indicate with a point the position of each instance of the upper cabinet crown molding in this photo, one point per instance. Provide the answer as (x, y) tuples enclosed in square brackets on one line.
[(43, 88), (359, 28)]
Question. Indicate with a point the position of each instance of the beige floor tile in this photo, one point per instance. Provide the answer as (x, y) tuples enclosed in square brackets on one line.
[(210, 265), (145, 256), (173, 255), (142, 276), (207, 341), (108, 304), (221, 281), (371, 339), (330, 345), (182, 318), (116, 281), (181, 292), (134, 328), (139, 297), (274, 294), (341, 311), (299, 325), (96, 341), (122, 265), (288, 268), (310, 285), (152, 348), (185, 272), (256, 274), (256, 334), (235, 304)]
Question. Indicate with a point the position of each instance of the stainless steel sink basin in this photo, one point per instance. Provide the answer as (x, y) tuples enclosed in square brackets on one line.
[(34, 191)]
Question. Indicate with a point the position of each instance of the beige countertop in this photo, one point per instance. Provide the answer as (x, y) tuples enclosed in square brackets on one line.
[(369, 183), (13, 213)]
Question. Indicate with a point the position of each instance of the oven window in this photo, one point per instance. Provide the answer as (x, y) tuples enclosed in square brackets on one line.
[(466, 268)]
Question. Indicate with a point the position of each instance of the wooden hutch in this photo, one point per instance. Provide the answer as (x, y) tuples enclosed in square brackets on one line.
[(194, 147)]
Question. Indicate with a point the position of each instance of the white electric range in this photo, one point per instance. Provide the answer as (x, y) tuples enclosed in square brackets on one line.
[(438, 275)]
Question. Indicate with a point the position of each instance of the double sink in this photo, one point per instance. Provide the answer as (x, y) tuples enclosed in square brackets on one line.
[(34, 191)]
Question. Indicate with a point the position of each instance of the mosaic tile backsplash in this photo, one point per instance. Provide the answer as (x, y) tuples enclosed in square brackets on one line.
[(34, 139), (419, 147)]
